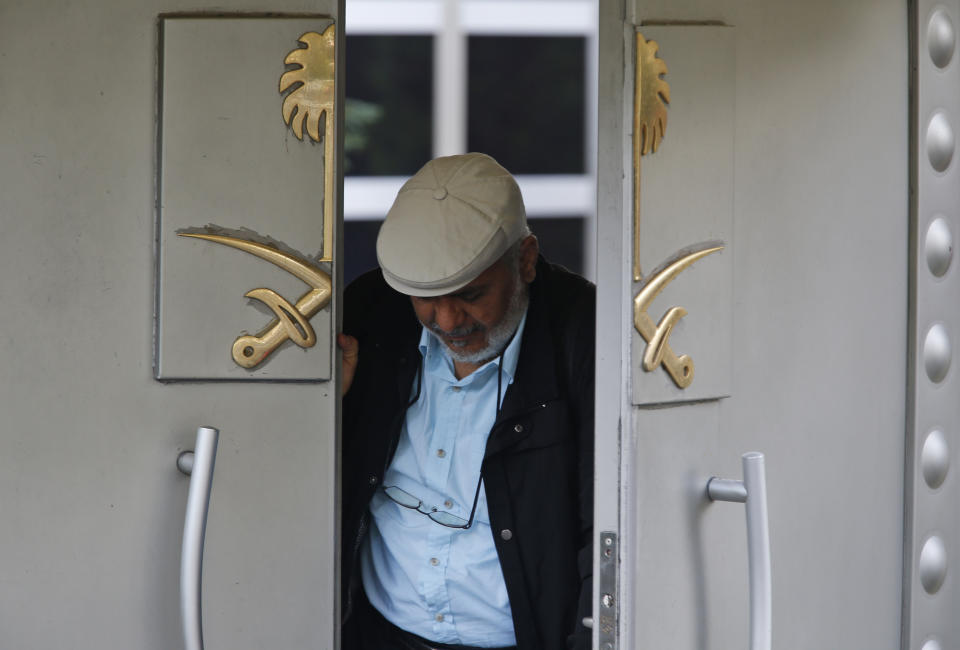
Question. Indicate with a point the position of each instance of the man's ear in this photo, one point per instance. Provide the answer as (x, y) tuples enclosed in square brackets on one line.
[(529, 251)]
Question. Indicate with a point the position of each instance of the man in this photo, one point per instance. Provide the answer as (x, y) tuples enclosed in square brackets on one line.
[(467, 426)]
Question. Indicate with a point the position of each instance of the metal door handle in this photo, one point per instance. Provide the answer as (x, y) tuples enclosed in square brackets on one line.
[(198, 465), (752, 491)]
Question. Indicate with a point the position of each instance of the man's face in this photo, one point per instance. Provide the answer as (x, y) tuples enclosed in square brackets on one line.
[(463, 319)]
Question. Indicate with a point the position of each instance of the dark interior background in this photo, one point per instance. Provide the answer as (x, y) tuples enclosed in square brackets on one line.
[(526, 99)]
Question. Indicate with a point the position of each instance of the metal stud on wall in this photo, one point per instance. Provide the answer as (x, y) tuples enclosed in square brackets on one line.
[(932, 519)]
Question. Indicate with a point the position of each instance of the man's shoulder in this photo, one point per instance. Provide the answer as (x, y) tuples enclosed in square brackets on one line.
[(370, 304), (565, 293), (563, 304), (366, 284)]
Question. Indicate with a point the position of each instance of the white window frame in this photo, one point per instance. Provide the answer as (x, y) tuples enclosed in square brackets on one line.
[(451, 23)]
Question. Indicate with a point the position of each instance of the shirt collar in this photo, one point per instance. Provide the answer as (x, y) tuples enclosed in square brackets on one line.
[(436, 355)]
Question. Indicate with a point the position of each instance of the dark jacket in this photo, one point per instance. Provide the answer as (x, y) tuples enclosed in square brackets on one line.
[(538, 466)]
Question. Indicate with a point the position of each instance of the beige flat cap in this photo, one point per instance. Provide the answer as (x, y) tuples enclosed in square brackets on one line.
[(451, 221)]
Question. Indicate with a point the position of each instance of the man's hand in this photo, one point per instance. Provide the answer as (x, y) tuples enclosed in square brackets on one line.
[(351, 352)]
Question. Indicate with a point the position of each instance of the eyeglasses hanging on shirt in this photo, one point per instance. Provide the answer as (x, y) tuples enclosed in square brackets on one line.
[(403, 498), (448, 519)]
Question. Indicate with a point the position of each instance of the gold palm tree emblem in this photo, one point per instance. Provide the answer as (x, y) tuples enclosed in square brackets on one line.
[(314, 96), (652, 95)]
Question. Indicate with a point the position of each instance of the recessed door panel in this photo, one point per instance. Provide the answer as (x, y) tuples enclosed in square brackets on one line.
[(231, 166), (697, 151)]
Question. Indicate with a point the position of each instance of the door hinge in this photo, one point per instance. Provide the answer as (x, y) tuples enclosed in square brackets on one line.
[(606, 611)]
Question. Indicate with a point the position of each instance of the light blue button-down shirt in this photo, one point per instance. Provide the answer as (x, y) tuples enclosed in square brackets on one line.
[(443, 584)]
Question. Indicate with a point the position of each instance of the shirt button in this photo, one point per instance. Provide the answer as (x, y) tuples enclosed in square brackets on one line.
[(373, 479), (518, 428), (506, 534), (438, 618), (448, 503), (434, 561), (456, 389), (441, 453)]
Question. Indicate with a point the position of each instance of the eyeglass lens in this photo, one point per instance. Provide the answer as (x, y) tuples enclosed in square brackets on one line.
[(407, 500)]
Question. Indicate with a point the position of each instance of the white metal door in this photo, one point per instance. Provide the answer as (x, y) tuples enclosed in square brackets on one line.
[(793, 120), (90, 495)]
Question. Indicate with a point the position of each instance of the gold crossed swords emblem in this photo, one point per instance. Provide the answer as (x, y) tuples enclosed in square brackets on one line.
[(292, 321), (657, 336), (651, 97)]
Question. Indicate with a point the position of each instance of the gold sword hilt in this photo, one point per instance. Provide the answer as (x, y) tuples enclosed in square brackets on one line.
[(292, 322), (679, 367)]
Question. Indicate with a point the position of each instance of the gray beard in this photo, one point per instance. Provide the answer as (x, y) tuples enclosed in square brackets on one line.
[(499, 335)]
